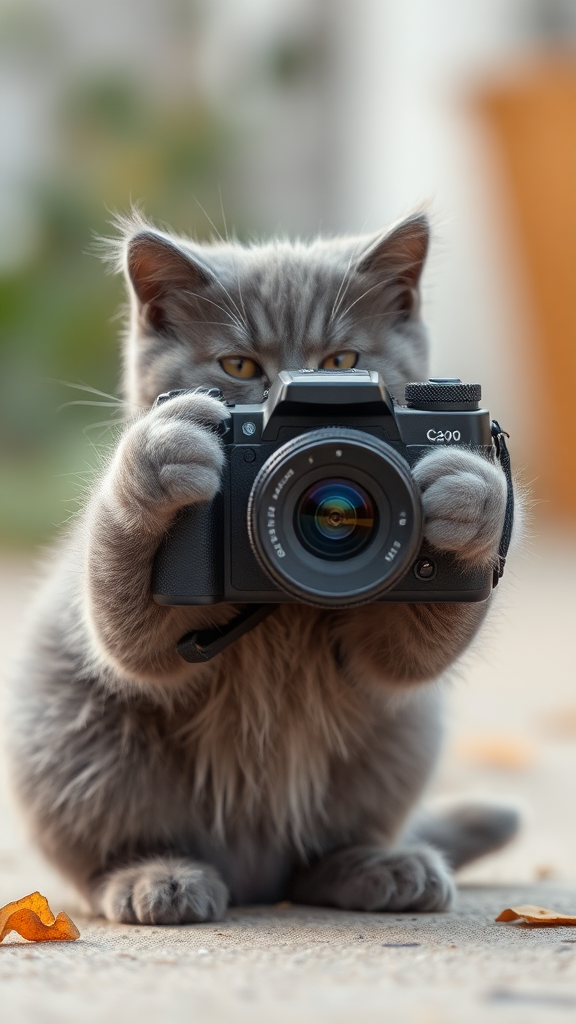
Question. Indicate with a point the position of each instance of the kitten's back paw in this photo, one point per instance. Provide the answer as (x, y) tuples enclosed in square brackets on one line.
[(374, 879), (163, 891)]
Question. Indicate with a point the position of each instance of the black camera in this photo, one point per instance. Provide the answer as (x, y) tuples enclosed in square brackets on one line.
[(318, 503)]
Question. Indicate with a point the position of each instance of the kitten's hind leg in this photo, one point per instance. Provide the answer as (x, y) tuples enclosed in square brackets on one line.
[(162, 890), (374, 879)]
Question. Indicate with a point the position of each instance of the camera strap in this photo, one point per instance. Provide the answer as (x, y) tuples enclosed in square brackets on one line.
[(503, 456), (203, 644)]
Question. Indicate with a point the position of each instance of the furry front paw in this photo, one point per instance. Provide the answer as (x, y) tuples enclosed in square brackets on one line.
[(373, 879), (170, 457), (163, 891), (464, 502)]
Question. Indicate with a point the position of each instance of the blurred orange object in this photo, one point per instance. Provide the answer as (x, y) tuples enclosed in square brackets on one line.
[(497, 751), (32, 918), (533, 118)]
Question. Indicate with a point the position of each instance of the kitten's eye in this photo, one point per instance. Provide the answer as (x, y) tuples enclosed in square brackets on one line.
[(340, 361), (238, 366)]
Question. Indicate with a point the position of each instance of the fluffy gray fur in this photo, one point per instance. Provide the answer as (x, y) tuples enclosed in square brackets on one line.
[(290, 766)]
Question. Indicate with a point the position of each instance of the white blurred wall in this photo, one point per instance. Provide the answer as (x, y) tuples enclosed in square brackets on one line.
[(387, 122), (404, 77)]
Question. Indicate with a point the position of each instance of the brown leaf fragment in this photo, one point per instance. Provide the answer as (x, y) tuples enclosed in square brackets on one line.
[(32, 918), (536, 915)]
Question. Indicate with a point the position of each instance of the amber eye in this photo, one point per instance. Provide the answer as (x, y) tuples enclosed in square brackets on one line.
[(340, 361), (238, 366)]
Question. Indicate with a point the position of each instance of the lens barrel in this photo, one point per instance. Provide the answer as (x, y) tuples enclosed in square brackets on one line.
[(334, 517)]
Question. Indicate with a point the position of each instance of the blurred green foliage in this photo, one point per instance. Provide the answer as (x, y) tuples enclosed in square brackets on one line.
[(115, 144)]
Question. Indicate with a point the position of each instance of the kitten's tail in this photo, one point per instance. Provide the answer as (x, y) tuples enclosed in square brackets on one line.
[(466, 831)]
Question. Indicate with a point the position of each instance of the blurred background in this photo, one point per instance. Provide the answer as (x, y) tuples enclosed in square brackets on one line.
[(296, 116), (307, 116)]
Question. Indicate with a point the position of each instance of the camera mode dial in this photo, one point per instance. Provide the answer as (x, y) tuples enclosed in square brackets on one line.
[(443, 394)]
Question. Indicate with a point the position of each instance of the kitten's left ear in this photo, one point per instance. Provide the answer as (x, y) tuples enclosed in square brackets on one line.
[(398, 258), (160, 270)]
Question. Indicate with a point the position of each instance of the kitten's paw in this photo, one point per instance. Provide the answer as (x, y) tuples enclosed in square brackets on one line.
[(172, 456), (163, 891), (464, 502), (373, 879)]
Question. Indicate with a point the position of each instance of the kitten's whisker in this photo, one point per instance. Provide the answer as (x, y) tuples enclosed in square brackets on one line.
[(83, 387), (242, 314), (210, 323), (226, 240), (83, 401), (346, 279), (222, 212), (377, 316), (103, 423), (359, 299), (242, 300), (76, 472), (208, 218), (242, 323), (239, 286), (234, 303), (223, 309)]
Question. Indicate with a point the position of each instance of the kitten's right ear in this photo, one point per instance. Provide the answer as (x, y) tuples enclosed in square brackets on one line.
[(157, 269), (396, 261), (400, 252)]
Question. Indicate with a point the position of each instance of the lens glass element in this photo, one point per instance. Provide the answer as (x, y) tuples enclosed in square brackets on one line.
[(335, 519)]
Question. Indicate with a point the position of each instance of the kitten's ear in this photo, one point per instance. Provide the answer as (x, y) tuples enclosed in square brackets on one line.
[(398, 258), (158, 269)]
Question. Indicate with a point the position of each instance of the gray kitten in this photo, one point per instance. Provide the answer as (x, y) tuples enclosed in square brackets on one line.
[(288, 767)]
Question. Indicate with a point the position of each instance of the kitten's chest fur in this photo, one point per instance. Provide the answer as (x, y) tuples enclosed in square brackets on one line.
[(276, 713)]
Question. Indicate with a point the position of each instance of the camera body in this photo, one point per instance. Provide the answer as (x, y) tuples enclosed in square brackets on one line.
[(317, 502)]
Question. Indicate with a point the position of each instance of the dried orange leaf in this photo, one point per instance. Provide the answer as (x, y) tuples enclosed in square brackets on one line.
[(32, 918), (536, 915)]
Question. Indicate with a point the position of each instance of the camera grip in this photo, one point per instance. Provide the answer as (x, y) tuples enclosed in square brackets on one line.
[(188, 567)]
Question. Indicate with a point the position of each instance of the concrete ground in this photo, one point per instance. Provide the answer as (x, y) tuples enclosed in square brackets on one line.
[(512, 734)]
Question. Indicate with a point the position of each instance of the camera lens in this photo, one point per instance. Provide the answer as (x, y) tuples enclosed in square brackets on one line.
[(335, 519)]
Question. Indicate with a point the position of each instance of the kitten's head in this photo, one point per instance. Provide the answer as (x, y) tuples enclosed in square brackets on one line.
[(232, 316)]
